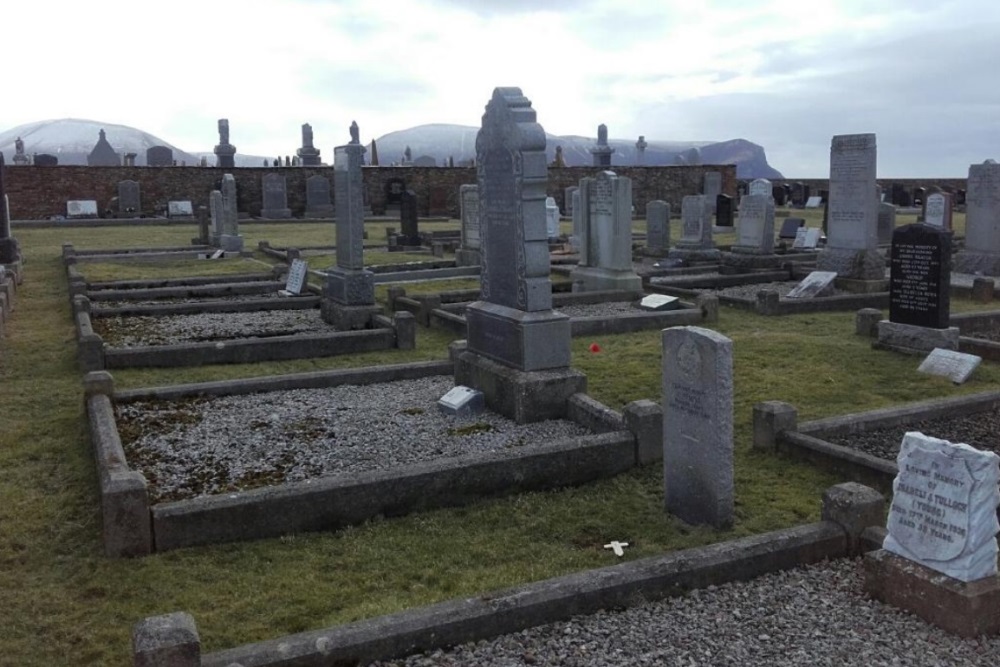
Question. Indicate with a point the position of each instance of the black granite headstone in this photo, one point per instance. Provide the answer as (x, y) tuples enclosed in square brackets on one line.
[(959, 197), (410, 235), (798, 194), (778, 192), (394, 189), (918, 196), (789, 227), (920, 276), (723, 210), (45, 160), (159, 156)]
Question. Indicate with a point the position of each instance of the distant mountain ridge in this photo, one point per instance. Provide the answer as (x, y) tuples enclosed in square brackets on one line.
[(71, 140)]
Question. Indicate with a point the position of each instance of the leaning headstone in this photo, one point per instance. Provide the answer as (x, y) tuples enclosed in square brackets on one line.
[(817, 283), (660, 302), (956, 366), (919, 292), (852, 231), (800, 238), (81, 208), (606, 235), (938, 209), (410, 232), (318, 203), (551, 218), (275, 197), (814, 202), (886, 222), (657, 228), (698, 425), (128, 198), (943, 513), (468, 200), (349, 291), (982, 211), (512, 330), (462, 402), (296, 277), (230, 240)]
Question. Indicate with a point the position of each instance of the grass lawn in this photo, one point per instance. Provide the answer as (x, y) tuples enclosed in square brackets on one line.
[(65, 603)]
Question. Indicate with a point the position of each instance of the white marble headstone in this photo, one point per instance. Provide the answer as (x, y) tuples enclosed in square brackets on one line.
[(956, 366), (551, 217), (296, 276), (817, 283), (81, 208), (943, 512), (179, 208)]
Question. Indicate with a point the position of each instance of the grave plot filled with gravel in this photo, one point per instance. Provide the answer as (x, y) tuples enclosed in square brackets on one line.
[(608, 309), (240, 298), (808, 616), (176, 329), (748, 291), (206, 446), (978, 429), (985, 334)]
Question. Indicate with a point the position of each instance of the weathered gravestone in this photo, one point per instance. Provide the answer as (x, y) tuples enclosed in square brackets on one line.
[(180, 209), (275, 197), (606, 235), (393, 192), (698, 425), (696, 244), (723, 210), (790, 227), (296, 276), (518, 349), (806, 238), (814, 201), (817, 283), (760, 186), (9, 249), (551, 218), (657, 228), (215, 216), (159, 156), (129, 202), (225, 152), (468, 199), (756, 227), (943, 512), (982, 222), (779, 194), (601, 152), (852, 229), (308, 154), (349, 291), (230, 240), (938, 209), (568, 199), (81, 208), (574, 239), (956, 366), (318, 203), (712, 187), (919, 292), (409, 231), (886, 222)]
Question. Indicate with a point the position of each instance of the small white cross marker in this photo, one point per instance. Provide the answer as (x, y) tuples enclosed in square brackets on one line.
[(617, 547)]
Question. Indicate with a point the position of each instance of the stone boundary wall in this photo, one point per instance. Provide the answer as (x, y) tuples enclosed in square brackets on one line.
[(40, 192)]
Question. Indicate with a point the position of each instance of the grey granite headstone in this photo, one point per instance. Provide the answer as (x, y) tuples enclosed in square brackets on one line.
[(469, 204), (712, 187), (318, 203), (574, 239), (698, 425), (817, 283), (215, 215), (956, 366), (755, 233), (605, 235), (159, 156), (296, 276), (128, 198), (982, 211), (886, 222), (275, 196), (660, 302), (696, 221), (409, 229), (514, 323), (852, 227), (658, 227), (814, 202), (230, 241), (943, 512)]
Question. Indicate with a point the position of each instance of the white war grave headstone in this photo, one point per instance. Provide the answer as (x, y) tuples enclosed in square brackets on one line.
[(943, 512), (698, 425), (956, 366), (296, 278)]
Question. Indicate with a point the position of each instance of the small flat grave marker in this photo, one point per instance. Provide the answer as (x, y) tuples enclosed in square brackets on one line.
[(81, 208), (814, 202), (462, 401), (218, 254), (617, 547), (660, 302), (296, 278), (956, 366), (817, 283), (179, 209)]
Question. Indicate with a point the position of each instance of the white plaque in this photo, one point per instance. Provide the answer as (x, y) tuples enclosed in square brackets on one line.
[(814, 202), (659, 302), (177, 209), (296, 276), (956, 366), (81, 208)]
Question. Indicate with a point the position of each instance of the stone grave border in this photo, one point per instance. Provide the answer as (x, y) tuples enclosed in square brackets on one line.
[(776, 428), (71, 255), (852, 523), (190, 221), (444, 310), (968, 324), (617, 442)]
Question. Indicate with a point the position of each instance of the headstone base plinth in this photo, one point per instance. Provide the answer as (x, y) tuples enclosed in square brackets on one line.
[(985, 263), (319, 212), (744, 258), (347, 318), (695, 255), (596, 279), (911, 339), (10, 250), (967, 609), (525, 340), (276, 213), (467, 257), (852, 263), (230, 243), (523, 396), (350, 287)]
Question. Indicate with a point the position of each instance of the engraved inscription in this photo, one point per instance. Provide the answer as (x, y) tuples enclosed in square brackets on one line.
[(929, 514)]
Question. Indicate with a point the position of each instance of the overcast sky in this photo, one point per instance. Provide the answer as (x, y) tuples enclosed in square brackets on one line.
[(786, 74)]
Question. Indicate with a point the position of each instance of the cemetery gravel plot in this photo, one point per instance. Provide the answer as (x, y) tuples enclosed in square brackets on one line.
[(978, 429), (205, 446), (144, 330)]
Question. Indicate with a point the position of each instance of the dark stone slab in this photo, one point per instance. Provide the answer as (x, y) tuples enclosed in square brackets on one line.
[(920, 276)]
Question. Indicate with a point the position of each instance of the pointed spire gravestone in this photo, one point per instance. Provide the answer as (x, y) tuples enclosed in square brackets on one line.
[(349, 293), (518, 348)]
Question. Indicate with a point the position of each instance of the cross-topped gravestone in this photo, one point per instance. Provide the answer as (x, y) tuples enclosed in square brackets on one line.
[(944, 502), (349, 292), (128, 198), (602, 151), (698, 425), (852, 228), (518, 348), (275, 197), (606, 235)]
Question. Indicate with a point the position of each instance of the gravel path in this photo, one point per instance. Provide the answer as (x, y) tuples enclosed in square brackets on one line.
[(979, 429), (809, 616), (174, 329), (214, 445)]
